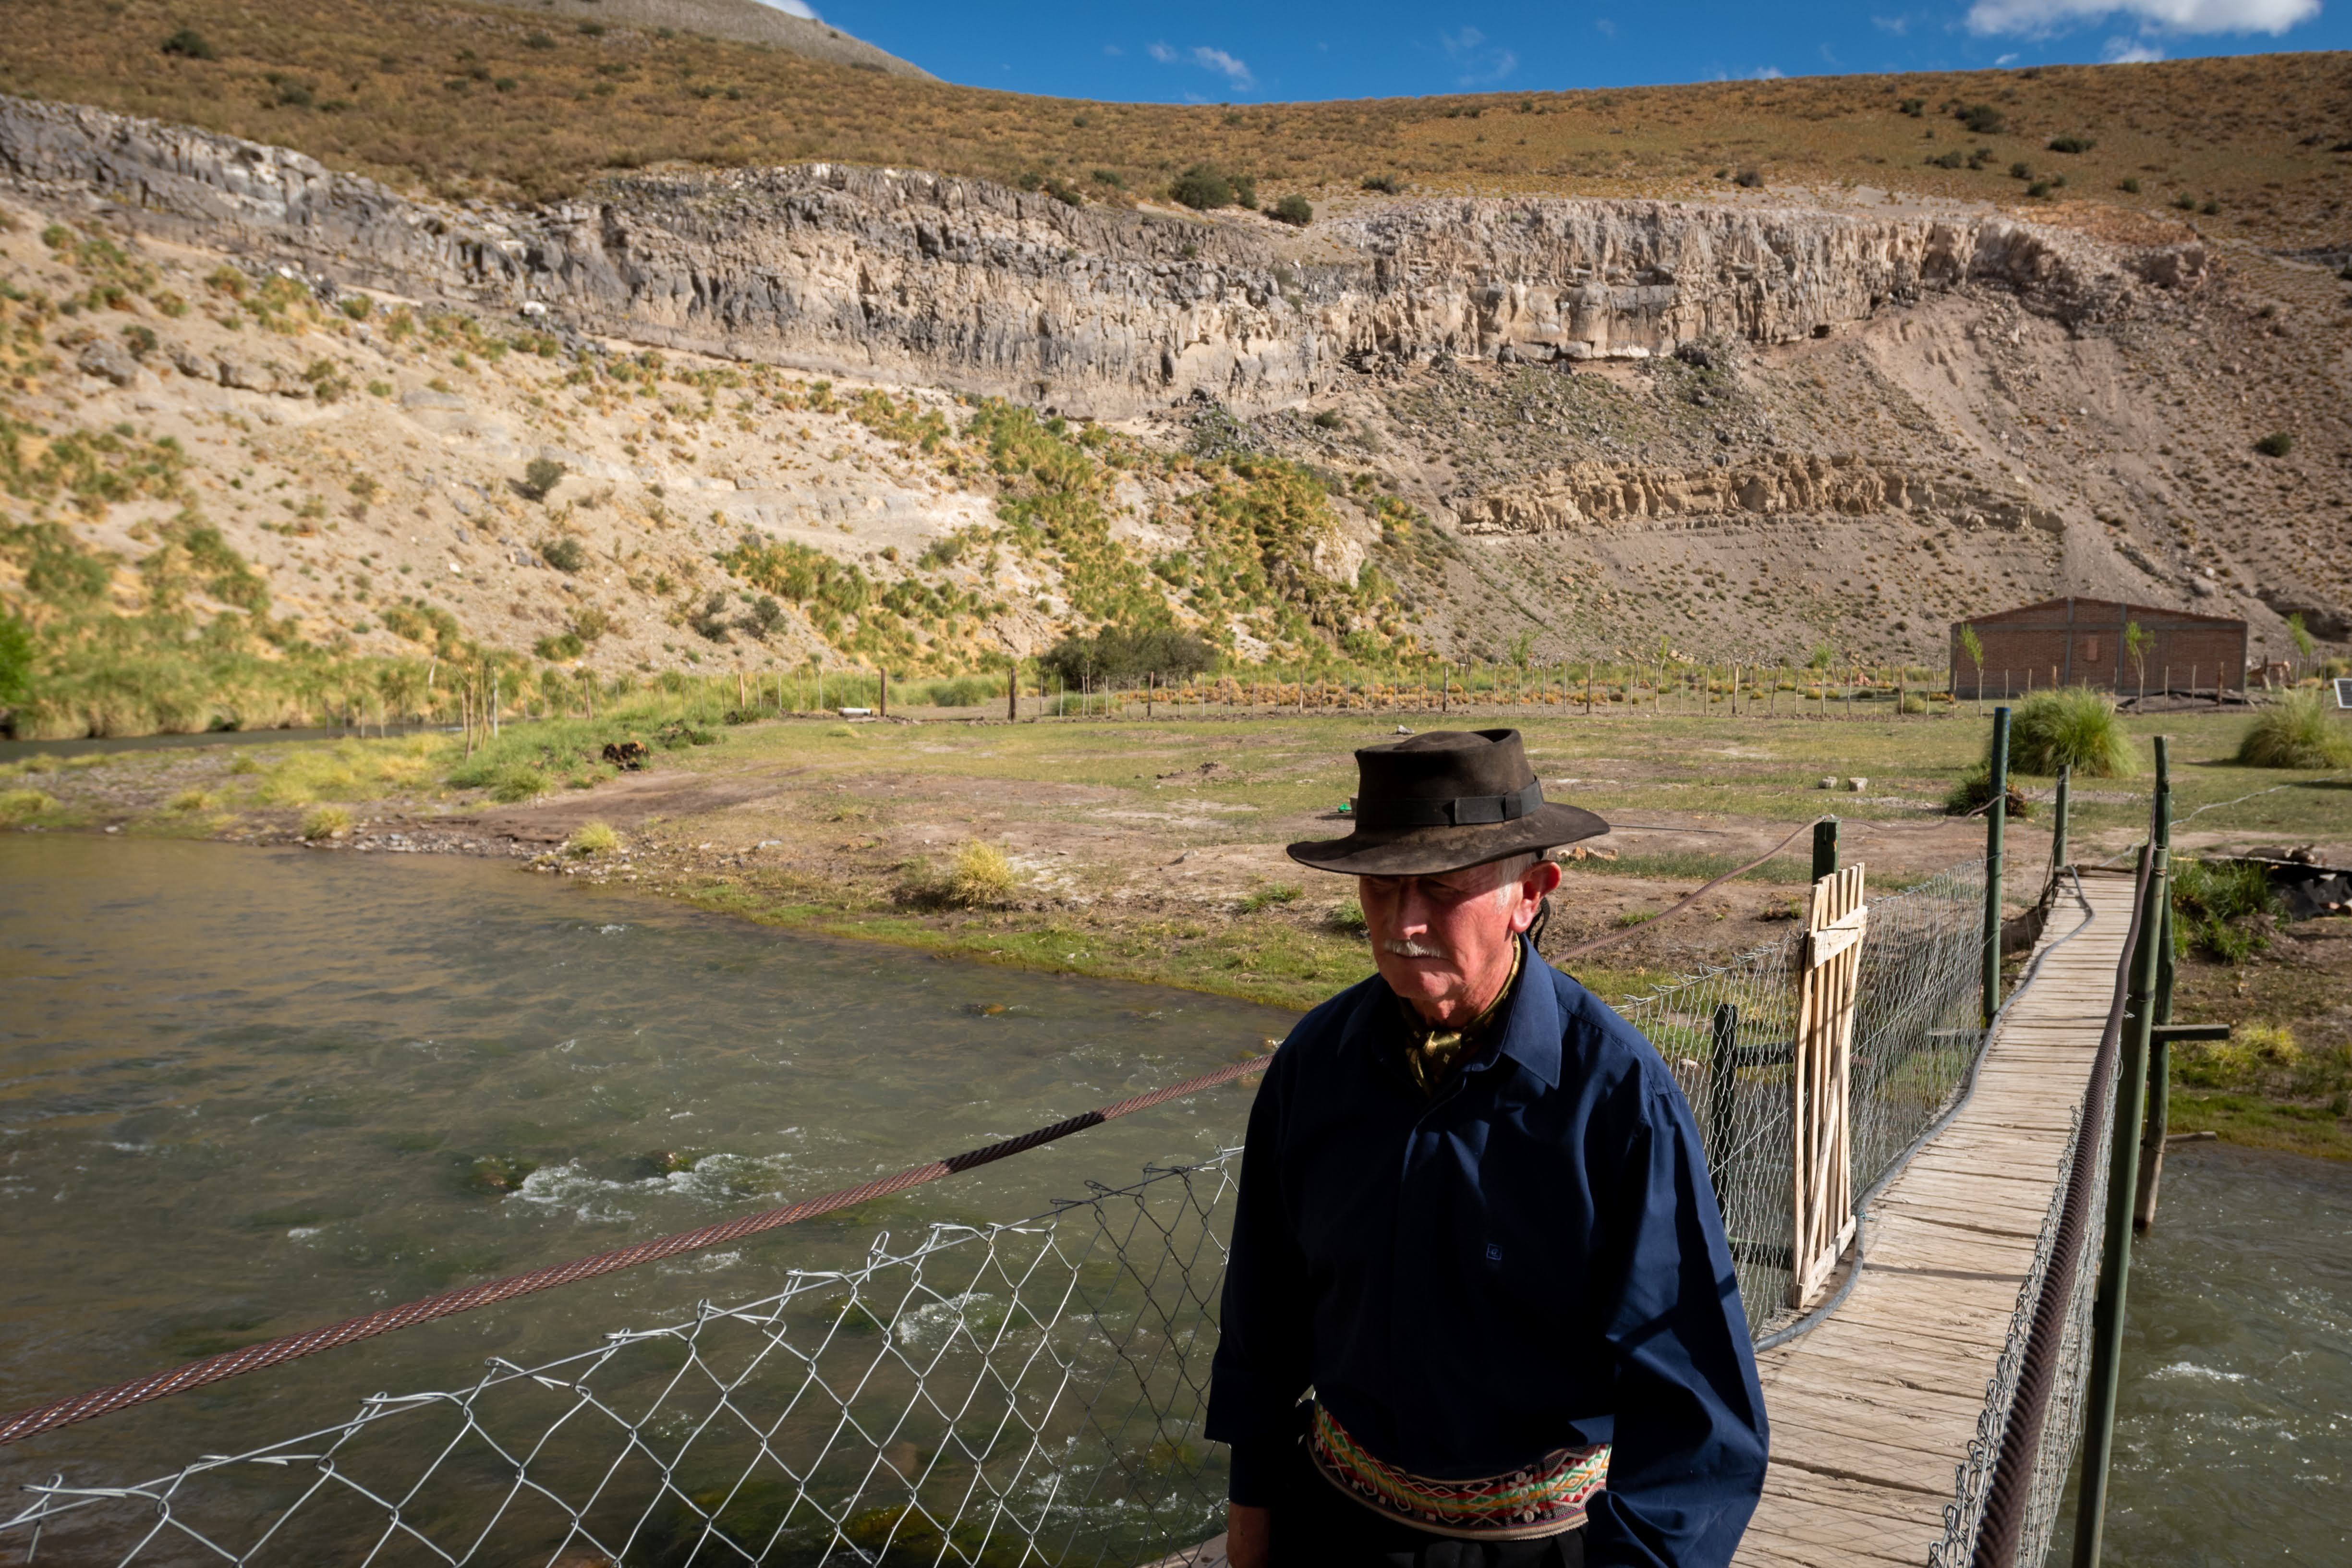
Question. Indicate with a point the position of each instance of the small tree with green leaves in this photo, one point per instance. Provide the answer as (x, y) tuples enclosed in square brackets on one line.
[(1294, 210), (2301, 635), (2136, 641), (1973, 646), (541, 476)]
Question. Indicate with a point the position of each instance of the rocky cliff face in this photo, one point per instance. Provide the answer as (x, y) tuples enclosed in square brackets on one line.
[(914, 278)]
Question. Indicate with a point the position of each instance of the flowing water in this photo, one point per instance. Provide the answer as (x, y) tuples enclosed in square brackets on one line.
[(2233, 1424), (243, 1092)]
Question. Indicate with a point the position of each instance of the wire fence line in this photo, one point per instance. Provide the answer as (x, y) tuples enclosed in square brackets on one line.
[(1727, 1033), (996, 1397)]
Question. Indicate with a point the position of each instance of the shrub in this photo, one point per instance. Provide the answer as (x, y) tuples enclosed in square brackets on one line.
[(2222, 908), (982, 876), (1269, 896), (2038, 188), (192, 800), (539, 476), (1387, 185), (190, 45), (2071, 728), (1347, 919), (325, 822), (1974, 790), (1203, 187), (1294, 210), (1110, 177), (1749, 179), (21, 805), (2296, 732), (2277, 443), (2072, 144), (564, 553), (1914, 107), (2129, 186), (1125, 653), (2021, 170), (1951, 159), (1982, 119), (592, 838), (1330, 419), (2242, 1061)]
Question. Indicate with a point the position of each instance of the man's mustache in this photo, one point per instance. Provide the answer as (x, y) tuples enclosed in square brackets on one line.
[(1406, 947)]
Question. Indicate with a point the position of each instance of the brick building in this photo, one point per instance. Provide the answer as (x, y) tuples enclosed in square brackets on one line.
[(2085, 642)]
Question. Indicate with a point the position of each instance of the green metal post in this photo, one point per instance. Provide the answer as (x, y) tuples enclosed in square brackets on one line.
[(1825, 848), (2058, 823), (2123, 1181), (2160, 1055), (1996, 820)]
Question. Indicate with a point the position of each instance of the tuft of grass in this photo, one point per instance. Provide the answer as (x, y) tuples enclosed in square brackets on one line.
[(592, 838), (2296, 731), (2224, 907), (191, 801), (348, 770), (1271, 894), (1347, 919), (19, 806), (982, 876), (2076, 728), (325, 822)]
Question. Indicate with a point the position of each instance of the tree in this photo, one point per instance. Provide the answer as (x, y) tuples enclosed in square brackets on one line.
[(1294, 210), (2302, 635), (1124, 653), (1203, 187), (2136, 640), (1973, 646)]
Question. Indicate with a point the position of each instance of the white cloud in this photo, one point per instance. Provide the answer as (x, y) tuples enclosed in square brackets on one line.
[(1482, 66), (794, 9), (2130, 52), (1608, 29), (1113, 51), (1767, 73), (1898, 25), (1217, 61), (1163, 53), (2038, 18)]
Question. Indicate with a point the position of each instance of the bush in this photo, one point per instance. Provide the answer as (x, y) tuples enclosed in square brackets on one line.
[(2296, 732), (1387, 185), (592, 838), (190, 45), (982, 876), (1749, 179), (2129, 186), (1202, 187), (326, 822), (2277, 443), (20, 806), (564, 553), (1127, 652), (1294, 210), (2072, 144), (2224, 907), (2074, 728), (1974, 790), (539, 476), (1982, 118)]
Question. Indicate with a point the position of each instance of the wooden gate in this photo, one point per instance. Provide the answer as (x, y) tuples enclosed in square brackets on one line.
[(1821, 1163)]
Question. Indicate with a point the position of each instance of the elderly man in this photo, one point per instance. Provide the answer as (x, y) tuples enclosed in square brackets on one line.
[(1480, 1309)]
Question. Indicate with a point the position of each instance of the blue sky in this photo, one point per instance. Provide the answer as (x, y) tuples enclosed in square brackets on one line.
[(1221, 51)]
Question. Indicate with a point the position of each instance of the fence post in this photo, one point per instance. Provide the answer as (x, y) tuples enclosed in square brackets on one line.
[(2160, 1051), (2123, 1180), (1996, 820), (2058, 827), (1825, 848), (1013, 691), (1722, 1087)]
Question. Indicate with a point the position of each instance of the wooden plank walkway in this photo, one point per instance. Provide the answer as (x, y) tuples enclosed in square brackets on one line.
[(1873, 1411)]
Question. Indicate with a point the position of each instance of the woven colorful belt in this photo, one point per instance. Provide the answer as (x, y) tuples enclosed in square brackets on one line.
[(1546, 1498)]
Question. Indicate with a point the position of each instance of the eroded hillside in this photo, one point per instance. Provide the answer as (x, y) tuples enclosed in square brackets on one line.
[(276, 416)]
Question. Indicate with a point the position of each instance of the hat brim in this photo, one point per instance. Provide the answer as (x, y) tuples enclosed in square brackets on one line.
[(1431, 851)]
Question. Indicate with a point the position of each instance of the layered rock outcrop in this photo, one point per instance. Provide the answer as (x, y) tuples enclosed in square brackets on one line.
[(915, 277), (1603, 497)]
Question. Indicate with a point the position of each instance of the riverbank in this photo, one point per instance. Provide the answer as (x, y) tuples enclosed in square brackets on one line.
[(1152, 850)]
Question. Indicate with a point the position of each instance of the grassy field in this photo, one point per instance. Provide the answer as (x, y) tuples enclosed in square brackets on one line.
[(466, 100)]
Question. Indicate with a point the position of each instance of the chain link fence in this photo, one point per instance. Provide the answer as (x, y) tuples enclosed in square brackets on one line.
[(1728, 1034), (1020, 1394)]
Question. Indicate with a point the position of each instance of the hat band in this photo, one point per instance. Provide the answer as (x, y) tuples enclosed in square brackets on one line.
[(1463, 810)]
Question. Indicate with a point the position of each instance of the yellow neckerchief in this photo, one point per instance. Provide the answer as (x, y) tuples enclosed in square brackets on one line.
[(1431, 1052)]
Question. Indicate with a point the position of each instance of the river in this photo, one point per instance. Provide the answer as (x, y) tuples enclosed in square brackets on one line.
[(243, 1092), (2233, 1420)]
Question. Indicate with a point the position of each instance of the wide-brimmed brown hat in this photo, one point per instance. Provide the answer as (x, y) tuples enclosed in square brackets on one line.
[(1442, 801)]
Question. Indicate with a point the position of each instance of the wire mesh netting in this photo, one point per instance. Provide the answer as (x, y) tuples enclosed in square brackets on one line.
[(1027, 1393), (1728, 1035), (2061, 1429), (1009, 1395)]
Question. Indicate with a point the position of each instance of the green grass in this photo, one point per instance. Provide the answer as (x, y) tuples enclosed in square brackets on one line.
[(2221, 908), (2074, 728), (2296, 731)]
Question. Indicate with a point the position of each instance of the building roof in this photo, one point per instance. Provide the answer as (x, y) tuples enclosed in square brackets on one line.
[(2076, 610)]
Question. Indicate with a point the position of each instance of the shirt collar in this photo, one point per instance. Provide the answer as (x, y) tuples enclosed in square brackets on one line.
[(1528, 1033)]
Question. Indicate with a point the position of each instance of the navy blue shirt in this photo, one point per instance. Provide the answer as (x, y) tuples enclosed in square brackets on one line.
[(1531, 1259)]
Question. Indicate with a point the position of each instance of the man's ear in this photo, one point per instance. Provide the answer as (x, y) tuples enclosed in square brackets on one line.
[(1541, 878)]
